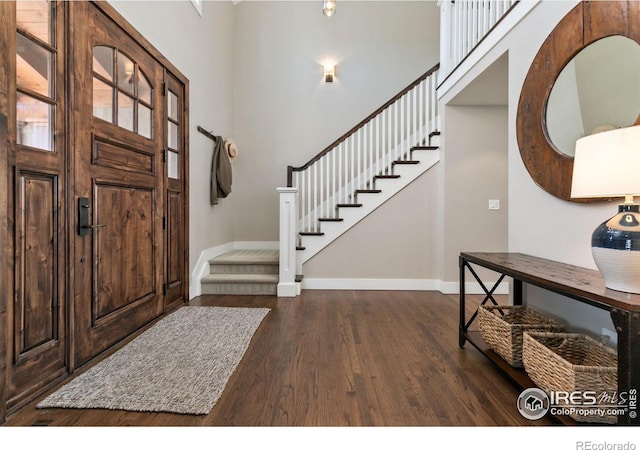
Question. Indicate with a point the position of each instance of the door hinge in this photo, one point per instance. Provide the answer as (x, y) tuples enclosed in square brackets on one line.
[(164, 156), (164, 88), (164, 288), (164, 223)]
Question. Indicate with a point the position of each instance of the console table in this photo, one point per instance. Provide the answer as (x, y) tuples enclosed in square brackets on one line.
[(575, 283)]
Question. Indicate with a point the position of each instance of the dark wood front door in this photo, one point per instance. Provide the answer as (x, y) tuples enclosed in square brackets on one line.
[(33, 54), (93, 189), (118, 248)]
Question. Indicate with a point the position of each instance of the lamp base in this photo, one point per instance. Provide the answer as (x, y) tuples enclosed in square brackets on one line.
[(616, 249), (620, 269)]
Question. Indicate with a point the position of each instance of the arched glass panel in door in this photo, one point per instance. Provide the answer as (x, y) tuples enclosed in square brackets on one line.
[(122, 94)]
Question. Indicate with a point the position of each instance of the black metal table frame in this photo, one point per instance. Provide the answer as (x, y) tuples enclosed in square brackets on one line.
[(627, 324)]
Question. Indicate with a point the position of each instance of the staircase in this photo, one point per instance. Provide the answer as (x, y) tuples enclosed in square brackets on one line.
[(361, 202), (356, 174), (242, 272)]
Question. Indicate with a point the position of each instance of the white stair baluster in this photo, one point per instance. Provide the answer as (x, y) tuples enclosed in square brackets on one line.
[(402, 126), (405, 151), (314, 220), (423, 129), (414, 120), (371, 150), (307, 225), (396, 138), (334, 176), (322, 188), (378, 149), (365, 157)]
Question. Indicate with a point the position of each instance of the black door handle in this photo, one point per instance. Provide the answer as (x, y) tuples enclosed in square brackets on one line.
[(83, 217)]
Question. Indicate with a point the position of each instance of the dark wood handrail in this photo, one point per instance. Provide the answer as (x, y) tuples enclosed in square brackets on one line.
[(291, 169)]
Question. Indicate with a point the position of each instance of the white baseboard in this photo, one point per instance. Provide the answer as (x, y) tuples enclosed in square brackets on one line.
[(372, 284), (361, 284), (287, 289), (471, 287), (202, 266)]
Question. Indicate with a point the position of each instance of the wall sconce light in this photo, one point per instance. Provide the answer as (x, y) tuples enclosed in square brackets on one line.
[(329, 72), (329, 7)]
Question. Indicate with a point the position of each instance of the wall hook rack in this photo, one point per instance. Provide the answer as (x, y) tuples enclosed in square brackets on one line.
[(207, 133)]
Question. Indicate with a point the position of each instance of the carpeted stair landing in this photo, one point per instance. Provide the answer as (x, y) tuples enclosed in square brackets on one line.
[(243, 272)]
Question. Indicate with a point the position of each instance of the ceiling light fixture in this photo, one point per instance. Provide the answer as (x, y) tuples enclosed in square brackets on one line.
[(329, 7)]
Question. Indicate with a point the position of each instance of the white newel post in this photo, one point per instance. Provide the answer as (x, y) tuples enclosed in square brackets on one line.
[(288, 220)]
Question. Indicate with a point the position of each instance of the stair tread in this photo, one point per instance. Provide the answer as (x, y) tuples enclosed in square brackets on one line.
[(425, 147), (406, 161), (247, 257), (311, 233), (240, 278), (368, 191), (349, 205), (386, 176), (300, 247), (330, 219)]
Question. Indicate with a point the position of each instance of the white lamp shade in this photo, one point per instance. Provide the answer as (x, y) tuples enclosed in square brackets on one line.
[(607, 164)]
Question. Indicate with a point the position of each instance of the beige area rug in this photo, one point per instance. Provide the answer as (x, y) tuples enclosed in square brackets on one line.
[(180, 365)]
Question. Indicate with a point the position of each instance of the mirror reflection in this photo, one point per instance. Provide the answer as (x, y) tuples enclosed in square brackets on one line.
[(598, 90)]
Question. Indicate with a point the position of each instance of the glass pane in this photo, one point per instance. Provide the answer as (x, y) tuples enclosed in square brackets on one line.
[(34, 66), (103, 61), (172, 135), (144, 88), (125, 111), (173, 106), (102, 100), (35, 17), (126, 72), (172, 166), (35, 122), (144, 121)]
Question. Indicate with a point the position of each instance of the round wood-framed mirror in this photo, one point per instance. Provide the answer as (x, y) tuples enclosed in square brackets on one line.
[(585, 24)]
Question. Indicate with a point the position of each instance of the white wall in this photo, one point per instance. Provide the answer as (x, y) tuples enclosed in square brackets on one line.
[(283, 111), (201, 48), (475, 171), (395, 242)]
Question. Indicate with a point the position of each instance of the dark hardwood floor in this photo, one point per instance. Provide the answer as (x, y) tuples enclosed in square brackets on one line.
[(341, 358)]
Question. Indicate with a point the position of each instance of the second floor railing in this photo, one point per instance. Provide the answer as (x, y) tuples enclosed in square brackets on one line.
[(464, 24)]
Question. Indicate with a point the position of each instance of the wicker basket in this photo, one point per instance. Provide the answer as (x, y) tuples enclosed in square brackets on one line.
[(502, 326), (571, 362)]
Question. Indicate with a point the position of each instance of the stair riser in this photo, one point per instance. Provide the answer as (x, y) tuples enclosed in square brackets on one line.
[(271, 269), (239, 288)]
